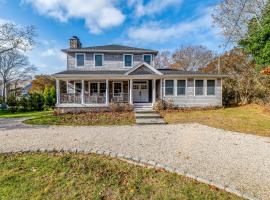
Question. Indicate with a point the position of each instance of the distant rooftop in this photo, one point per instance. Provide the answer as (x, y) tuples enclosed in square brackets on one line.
[(112, 48)]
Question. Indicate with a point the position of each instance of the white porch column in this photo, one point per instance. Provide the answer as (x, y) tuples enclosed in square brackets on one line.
[(57, 92), (153, 91), (82, 92), (131, 92), (161, 89), (107, 92)]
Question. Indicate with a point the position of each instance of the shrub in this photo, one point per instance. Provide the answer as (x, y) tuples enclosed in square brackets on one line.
[(163, 105), (23, 104), (120, 107), (12, 104)]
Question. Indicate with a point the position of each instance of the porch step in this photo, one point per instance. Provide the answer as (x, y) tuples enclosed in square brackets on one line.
[(148, 118)]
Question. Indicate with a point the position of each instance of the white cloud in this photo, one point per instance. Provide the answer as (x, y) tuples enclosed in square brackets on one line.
[(98, 14), (199, 29), (153, 6)]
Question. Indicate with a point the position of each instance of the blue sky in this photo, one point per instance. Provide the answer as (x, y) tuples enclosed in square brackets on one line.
[(155, 24)]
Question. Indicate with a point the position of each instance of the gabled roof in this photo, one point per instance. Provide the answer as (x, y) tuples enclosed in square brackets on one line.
[(145, 65), (112, 48)]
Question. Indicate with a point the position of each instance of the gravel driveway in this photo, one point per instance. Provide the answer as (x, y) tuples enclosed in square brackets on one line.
[(230, 158)]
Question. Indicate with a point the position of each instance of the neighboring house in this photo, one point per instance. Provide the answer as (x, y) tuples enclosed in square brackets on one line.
[(19, 88), (98, 75)]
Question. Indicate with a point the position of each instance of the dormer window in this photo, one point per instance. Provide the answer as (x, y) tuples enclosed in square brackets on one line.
[(128, 60), (80, 57), (98, 60), (147, 58)]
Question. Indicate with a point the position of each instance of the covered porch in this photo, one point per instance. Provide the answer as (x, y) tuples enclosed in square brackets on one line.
[(102, 92)]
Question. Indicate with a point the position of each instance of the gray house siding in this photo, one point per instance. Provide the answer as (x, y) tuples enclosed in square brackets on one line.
[(191, 100), (112, 61)]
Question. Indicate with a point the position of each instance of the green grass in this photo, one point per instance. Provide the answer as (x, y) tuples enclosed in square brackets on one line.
[(252, 119), (78, 176), (86, 119), (7, 114)]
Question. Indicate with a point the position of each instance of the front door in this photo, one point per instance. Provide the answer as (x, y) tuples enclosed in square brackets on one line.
[(140, 92)]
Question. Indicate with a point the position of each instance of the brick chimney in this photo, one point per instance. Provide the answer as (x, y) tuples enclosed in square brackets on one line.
[(75, 43)]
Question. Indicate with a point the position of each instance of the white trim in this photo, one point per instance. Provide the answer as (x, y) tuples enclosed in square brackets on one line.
[(121, 82), (131, 61), (213, 79), (186, 81), (76, 62), (145, 64), (95, 60), (195, 86), (151, 60), (165, 88)]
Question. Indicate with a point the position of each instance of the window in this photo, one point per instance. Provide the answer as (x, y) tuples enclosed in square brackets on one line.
[(198, 87), (97, 88), (80, 60), (169, 89), (211, 87), (147, 58), (181, 87), (128, 59), (117, 88), (78, 87), (98, 60)]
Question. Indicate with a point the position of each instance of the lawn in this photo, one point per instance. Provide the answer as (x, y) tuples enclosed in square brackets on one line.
[(7, 114), (86, 119), (78, 176), (252, 119)]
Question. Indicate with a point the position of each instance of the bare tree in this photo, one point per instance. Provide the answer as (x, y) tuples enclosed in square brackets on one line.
[(14, 37), (191, 58), (163, 59), (14, 66), (233, 16)]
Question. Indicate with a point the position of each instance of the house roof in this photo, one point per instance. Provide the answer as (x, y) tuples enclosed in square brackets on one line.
[(111, 48), (167, 71), (92, 72)]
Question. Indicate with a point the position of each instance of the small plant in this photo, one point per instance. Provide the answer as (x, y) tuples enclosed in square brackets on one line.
[(120, 107), (163, 105), (23, 104), (12, 104)]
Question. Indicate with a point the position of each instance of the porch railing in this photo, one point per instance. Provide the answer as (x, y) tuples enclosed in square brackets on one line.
[(70, 98), (119, 98), (97, 98)]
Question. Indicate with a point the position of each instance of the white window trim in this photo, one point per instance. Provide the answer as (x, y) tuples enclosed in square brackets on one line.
[(98, 86), (181, 95), (165, 87), (77, 60), (214, 79), (95, 60), (151, 60), (124, 60), (203, 87), (121, 82)]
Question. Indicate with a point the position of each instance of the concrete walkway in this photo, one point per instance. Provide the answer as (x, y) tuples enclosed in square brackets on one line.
[(233, 159)]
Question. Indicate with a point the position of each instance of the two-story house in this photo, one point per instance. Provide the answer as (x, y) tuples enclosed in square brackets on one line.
[(98, 75)]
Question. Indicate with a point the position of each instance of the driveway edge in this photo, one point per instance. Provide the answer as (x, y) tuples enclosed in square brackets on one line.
[(143, 162)]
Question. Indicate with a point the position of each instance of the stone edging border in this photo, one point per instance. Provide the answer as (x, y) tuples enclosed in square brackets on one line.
[(140, 161)]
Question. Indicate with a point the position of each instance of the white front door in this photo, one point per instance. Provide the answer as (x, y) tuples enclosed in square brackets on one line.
[(140, 92)]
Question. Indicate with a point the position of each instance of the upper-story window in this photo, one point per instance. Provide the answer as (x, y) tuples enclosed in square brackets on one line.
[(128, 60), (98, 60), (147, 58), (80, 57)]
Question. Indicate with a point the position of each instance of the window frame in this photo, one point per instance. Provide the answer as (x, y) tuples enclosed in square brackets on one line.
[(177, 87), (173, 93), (121, 88), (76, 54), (151, 60), (199, 79), (98, 86), (102, 54), (124, 62), (215, 81)]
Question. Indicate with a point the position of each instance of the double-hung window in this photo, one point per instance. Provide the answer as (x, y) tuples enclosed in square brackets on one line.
[(199, 87), (97, 88), (147, 58), (98, 60), (80, 57), (181, 87), (128, 60), (211, 85), (117, 88), (169, 89)]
